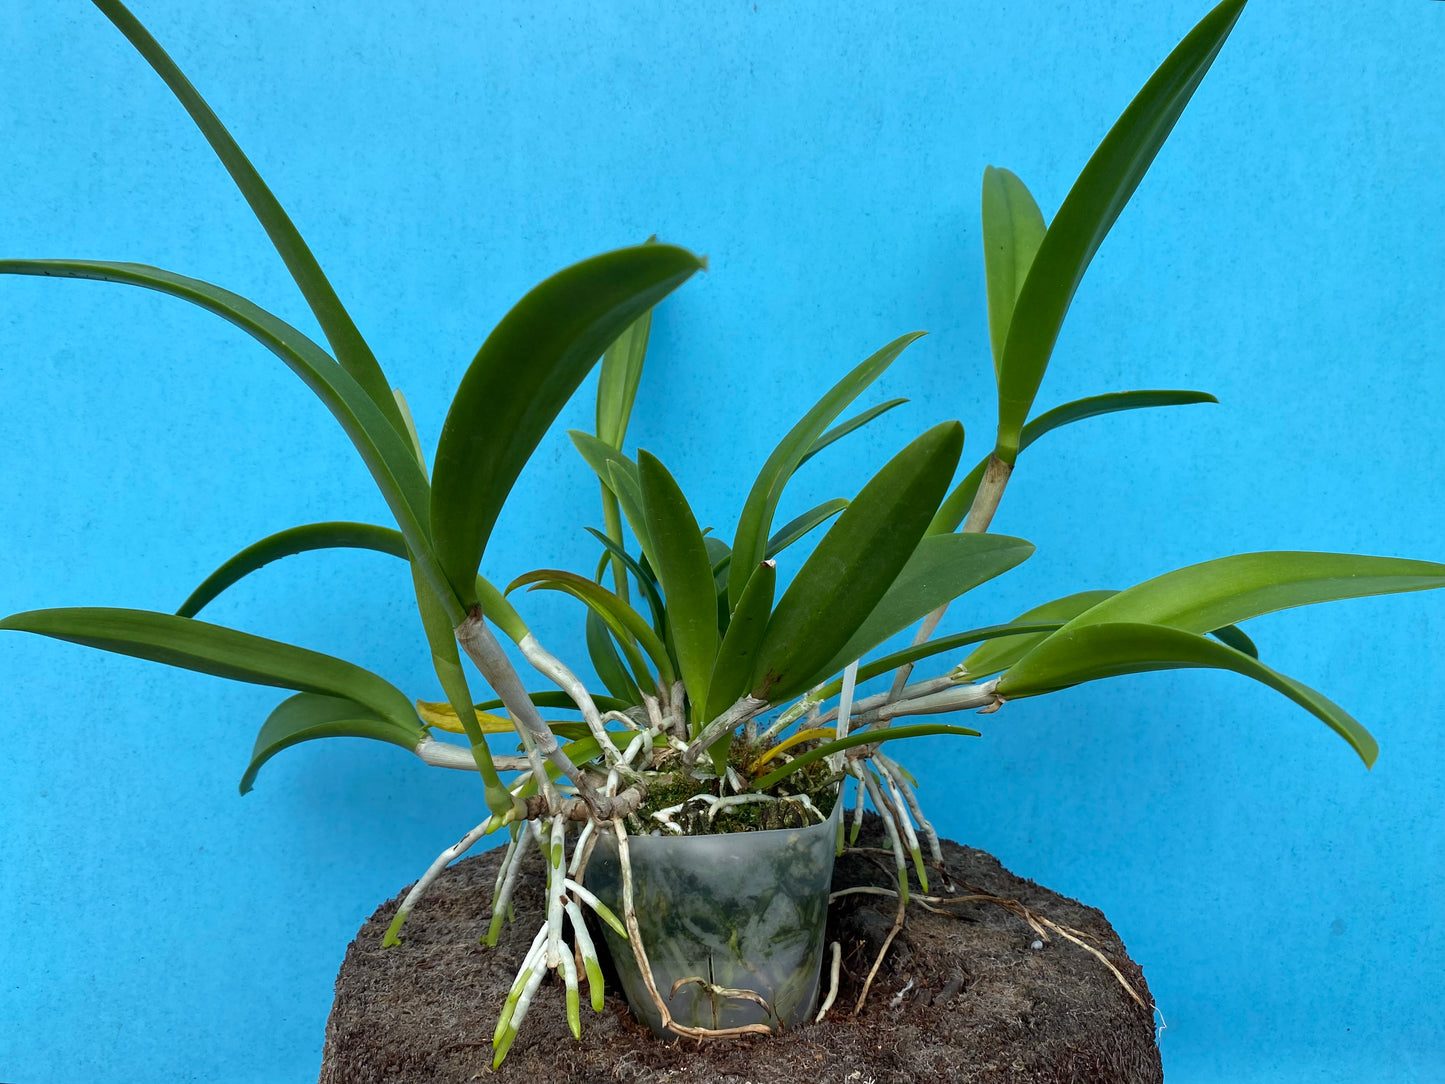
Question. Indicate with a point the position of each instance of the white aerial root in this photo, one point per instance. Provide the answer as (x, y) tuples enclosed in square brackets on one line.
[(832, 980), (934, 850), (552, 667), (886, 814), (451, 854), (900, 812), (443, 754), (511, 865)]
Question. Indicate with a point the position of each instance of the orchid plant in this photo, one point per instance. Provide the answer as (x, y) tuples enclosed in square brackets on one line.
[(730, 669)]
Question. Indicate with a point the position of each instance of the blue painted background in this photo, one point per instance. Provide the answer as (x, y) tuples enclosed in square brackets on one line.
[(1286, 252)]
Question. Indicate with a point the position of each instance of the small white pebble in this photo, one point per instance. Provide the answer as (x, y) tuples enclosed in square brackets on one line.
[(1037, 945)]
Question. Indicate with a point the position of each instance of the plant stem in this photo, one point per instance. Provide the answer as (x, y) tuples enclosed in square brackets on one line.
[(980, 515)]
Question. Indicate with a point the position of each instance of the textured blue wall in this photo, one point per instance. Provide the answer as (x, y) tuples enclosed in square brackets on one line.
[(1286, 252)]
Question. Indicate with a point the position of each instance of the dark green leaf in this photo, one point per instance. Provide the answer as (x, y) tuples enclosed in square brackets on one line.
[(1090, 652), (553, 699), (355, 356), (1089, 211), (645, 582), (607, 663), (521, 377), (862, 737), (738, 653), (386, 452), (842, 429), (1013, 227), (955, 507), (793, 530), (1236, 638), (943, 567), (680, 556), (303, 539), (621, 618), (222, 652), (307, 716), (856, 562), (756, 520)]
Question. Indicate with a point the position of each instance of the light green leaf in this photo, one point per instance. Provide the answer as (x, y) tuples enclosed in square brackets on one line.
[(998, 655), (308, 716), (521, 377), (1013, 227), (293, 540), (856, 562), (1221, 592), (1090, 652), (943, 567), (680, 558), (621, 618), (355, 356), (386, 452), (1089, 211), (862, 737), (853, 424), (618, 380), (756, 519), (222, 652)]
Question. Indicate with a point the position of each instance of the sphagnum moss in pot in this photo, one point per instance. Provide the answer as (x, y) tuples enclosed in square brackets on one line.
[(730, 719)]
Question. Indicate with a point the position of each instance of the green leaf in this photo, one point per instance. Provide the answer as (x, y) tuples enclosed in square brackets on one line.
[(1235, 637), (1089, 211), (856, 562), (739, 649), (756, 520), (645, 581), (943, 567), (934, 647), (618, 380), (521, 377), (293, 540), (793, 530), (955, 507), (386, 452), (222, 652), (621, 618), (1227, 590), (608, 663), (842, 429), (1013, 228), (685, 571), (628, 489), (998, 655), (336, 323), (1090, 652), (862, 737), (307, 716)]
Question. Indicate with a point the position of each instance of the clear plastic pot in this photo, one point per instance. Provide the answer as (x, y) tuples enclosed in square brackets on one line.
[(742, 911)]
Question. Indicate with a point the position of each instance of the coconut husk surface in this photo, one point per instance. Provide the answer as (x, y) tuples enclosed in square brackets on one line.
[(974, 995)]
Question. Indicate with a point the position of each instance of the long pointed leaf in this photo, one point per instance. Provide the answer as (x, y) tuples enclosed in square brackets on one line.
[(739, 649), (620, 617), (852, 425), (520, 379), (645, 582), (618, 380), (293, 540), (1075, 655), (955, 506), (213, 649), (855, 563), (385, 451), (756, 519), (608, 664), (336, 323), (998, 655), (1221, 592), (795, 529), (1013, 228), (1090, 210), (862, 737), (308, 716), (943, 567)]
